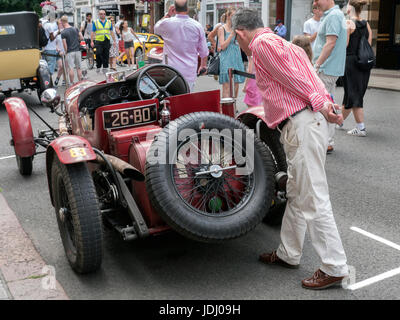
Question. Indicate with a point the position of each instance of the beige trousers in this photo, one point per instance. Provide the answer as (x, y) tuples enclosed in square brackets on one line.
[(304, 139), (330, 85)]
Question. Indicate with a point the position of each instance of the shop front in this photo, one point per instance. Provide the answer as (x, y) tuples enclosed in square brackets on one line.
[(128, 10), (111, 7), (388, 35), (82, 7), (212, 10)]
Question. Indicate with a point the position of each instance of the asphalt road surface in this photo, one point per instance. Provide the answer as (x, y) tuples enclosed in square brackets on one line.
[(363, 175)]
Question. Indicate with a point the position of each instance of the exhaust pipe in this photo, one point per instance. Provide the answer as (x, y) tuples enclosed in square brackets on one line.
[(122, 167)]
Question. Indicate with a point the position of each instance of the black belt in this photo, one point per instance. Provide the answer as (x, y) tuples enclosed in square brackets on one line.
[(283, 122)]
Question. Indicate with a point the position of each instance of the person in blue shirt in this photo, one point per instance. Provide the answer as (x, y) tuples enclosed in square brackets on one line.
[(330, 50), (280, 29)]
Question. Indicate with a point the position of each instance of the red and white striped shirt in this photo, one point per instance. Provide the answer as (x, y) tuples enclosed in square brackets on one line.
[(285, 77)]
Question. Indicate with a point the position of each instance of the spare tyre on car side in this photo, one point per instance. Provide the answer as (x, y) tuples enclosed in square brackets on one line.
[(204, 192)]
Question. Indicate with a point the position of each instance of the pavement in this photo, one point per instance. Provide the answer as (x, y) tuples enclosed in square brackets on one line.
[(23, 273), (31, 251), (385, 79)]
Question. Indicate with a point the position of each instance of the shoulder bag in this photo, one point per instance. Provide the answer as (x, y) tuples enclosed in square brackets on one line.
[(213, 67)]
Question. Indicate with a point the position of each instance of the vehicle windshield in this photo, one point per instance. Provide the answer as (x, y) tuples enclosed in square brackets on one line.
[(142, 38), (7, 30)]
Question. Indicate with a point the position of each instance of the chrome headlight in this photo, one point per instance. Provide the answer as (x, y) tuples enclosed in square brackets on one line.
[(43, 63), (50, 98)]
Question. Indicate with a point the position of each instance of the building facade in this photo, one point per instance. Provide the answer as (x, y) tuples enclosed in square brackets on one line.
[(382, 15)]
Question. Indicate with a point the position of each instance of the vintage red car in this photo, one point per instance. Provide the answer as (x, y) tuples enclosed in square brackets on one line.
[(143, 155)]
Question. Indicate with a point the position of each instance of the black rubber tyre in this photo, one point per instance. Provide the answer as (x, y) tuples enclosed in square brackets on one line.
[(275, 213), (78, 215), (231, 222), (271, 139), (24, 165)]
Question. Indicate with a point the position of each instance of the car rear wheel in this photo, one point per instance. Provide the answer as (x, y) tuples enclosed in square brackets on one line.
[(271, 138), (78, 215), (24, 165), (208, 199)]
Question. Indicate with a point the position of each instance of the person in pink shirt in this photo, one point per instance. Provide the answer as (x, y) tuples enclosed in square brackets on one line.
[(253, 96), (296, 102), (184, 40)]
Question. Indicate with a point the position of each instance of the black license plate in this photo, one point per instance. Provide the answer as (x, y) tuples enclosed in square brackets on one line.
[(122, 118)]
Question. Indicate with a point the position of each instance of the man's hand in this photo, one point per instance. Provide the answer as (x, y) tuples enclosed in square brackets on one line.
[(171, 12), (92, 44), (202, 70), (333, 115)]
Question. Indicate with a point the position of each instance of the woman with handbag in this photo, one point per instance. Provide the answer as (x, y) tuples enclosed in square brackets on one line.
[(214, 47), (355, 80), (230, 55)]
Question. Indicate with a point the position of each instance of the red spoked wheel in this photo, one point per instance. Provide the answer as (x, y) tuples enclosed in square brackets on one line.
[(213, 187)]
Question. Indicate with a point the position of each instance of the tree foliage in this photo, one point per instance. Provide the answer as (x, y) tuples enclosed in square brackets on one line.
[(20, 5)]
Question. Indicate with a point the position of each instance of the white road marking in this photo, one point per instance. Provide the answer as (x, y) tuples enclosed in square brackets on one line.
[(381, 276), (372, 280), (8, 157), (377, 238)]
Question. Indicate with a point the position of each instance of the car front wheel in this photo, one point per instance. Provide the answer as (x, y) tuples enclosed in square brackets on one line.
[(78, 215)]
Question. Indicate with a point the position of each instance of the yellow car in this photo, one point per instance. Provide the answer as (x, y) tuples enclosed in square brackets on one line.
[(151, 41)]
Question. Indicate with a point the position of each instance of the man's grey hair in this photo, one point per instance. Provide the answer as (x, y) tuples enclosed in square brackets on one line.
[(181, 6), (246, 19)]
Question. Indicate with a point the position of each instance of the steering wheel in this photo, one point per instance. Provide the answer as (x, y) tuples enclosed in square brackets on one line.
[(160, 81)]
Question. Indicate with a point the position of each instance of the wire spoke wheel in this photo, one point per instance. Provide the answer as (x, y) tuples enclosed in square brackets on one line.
[(219, 192), (205, 190)]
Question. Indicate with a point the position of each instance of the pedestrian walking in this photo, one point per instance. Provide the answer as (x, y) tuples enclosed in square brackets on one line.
[(100, 39), (252, 96), (114, 48), (51, 30), (61, 53), (330, 50), (296, 101), (311, 26), (118, 24), (128, 36), (280, 29), (230, 56), (355, 80), (86, 29), (71, 39), (184, 41)]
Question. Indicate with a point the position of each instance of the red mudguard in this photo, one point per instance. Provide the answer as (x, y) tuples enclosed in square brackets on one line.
[(21, 128), (71, 149)]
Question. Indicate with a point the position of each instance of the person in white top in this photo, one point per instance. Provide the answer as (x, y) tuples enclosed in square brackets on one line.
[(128, 36), (61, 52), (118, 24), (311, 26), (51, 29)]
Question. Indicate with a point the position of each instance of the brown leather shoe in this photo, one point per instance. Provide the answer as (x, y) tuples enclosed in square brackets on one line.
[(320, 280), (330, 149), (272, 258)]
